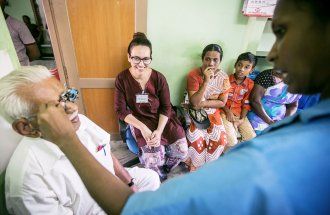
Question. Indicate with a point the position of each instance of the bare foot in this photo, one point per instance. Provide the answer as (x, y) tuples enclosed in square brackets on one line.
[(192, 168)]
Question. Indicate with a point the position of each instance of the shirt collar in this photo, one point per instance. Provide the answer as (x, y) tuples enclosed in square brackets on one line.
[(54, 153), (57, 151), (45, 151), (232, 78), (320, 110)]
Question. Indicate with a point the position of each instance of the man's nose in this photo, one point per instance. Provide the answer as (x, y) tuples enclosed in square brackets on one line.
[(272, 53), (70, 107)]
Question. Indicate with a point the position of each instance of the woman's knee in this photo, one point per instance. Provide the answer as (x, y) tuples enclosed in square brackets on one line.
[(231, 135), (179, 149), (152, 181), (153, 159)]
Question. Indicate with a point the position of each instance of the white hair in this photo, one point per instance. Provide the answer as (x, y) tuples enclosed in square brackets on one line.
[(12, 105)]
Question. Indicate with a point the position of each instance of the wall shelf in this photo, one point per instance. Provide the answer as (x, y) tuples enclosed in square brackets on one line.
[(266, 41)]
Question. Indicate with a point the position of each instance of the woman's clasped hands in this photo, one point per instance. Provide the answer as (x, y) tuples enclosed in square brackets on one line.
[(152, 138)]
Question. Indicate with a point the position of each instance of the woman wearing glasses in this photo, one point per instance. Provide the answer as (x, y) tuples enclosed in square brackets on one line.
[(142, 100)]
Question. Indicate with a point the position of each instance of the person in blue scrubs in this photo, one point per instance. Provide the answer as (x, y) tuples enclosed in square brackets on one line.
[(307, 101), (286, 170)]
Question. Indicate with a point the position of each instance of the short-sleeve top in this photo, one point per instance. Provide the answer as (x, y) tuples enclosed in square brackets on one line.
[(21, 36), (195, 80), (218, 85), (239, 94)]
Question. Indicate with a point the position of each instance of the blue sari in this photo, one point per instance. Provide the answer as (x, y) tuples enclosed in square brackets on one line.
[(274, 103)]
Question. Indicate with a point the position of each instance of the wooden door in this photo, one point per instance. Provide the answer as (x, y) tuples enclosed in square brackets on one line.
[(90, 40), (101, 31)]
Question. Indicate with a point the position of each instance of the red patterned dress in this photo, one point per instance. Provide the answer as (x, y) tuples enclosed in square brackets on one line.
[(206, 145)]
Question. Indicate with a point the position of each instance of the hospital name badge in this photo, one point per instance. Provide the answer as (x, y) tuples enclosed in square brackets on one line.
[(142, 98)]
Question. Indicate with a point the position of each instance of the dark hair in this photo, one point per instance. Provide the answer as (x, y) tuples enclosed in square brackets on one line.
[(212, 47), (27, 17), (139, 39), (319, 8), (3, 4), (248, 56)]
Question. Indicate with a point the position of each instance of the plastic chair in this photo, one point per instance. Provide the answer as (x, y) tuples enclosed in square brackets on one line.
[(127, 137), (130, 141)]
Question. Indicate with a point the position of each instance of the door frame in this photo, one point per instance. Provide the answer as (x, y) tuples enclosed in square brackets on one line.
[(57, 17), (58, 23)]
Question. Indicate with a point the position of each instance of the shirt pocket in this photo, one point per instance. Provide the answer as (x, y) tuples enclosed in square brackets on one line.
[(241, 93)]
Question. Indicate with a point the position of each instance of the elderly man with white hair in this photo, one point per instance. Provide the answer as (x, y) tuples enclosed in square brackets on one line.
[(39, 177)]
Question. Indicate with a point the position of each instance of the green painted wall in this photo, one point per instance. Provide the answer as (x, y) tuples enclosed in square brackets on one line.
[(18, 8), (180, 29), (6, 43), (7, 134)]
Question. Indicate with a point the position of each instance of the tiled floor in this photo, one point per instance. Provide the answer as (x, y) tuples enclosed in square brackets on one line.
[(127, 158), (120, 150)]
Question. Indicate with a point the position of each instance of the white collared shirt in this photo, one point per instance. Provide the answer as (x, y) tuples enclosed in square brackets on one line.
[(41, 180)]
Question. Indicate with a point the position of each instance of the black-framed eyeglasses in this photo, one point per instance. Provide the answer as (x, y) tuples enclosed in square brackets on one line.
[(137, 60)]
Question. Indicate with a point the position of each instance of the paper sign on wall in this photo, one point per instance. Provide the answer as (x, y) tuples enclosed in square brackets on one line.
[(261, 8)]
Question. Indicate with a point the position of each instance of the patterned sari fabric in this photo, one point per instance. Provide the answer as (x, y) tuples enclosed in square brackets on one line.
[(164, 158), (274, 103), (206, 145)]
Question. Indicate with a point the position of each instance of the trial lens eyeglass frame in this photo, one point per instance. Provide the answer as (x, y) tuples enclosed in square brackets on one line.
[(69, 95)]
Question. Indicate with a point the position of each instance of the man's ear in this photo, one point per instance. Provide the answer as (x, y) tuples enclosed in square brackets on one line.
[(24, 127), (128, 57)]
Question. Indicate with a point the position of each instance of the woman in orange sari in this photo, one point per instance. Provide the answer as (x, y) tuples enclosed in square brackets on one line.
[(207, 88)]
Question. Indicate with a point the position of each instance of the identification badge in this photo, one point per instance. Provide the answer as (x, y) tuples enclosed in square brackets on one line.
[(142, 98)]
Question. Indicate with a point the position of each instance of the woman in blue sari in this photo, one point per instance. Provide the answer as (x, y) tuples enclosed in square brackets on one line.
[(270, 100)]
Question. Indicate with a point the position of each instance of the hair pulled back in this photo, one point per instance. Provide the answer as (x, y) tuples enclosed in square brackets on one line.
[(139, 39), (212, 47)]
